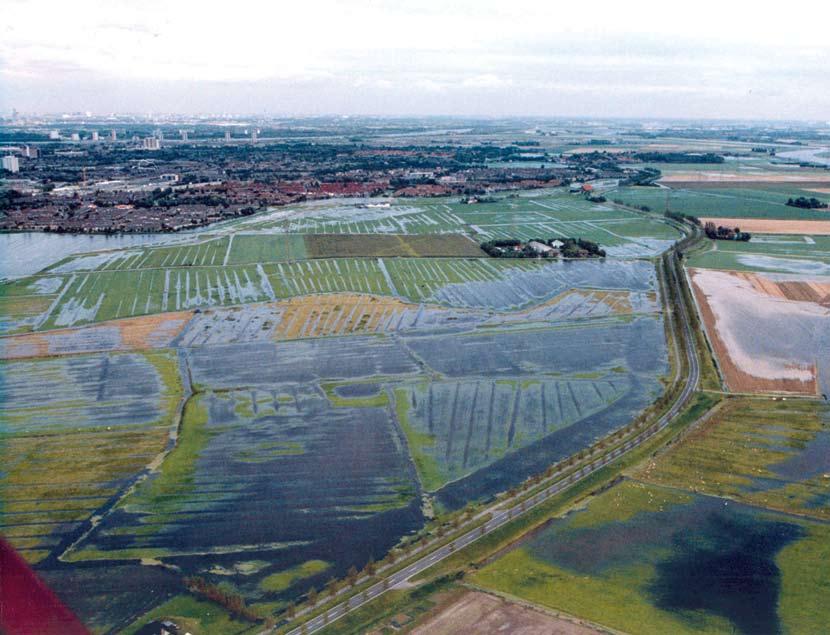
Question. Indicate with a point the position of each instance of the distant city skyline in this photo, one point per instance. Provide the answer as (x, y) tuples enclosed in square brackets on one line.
[(705, 60)]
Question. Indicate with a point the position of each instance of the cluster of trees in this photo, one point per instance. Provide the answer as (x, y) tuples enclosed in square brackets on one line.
[(513, 248), (678, 157), (806, 203), (232, 602), (503, 248), (580, 248), (9, 198), (725, 233)]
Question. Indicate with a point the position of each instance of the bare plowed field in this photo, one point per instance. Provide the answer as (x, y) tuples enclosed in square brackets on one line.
[(772, 226), (798, 290), (478, 613), (391, 245)]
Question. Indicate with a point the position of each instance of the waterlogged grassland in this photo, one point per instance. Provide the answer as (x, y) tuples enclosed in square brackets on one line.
[(785, 254), (390, 245), (72, 433), (194, 616), (259, 455), (646, 559), (282, 580), (24, 302), (456, 428), (93, 296), (96, 296), (775, 454), (526, 215), (291, 462)]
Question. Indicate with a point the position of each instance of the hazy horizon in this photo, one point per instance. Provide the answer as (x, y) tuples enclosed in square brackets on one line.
[(470, 59)]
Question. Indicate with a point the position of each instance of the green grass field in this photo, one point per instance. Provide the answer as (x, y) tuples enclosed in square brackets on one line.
[(786, 254), (254, 248), (764, 452), (757, 201)]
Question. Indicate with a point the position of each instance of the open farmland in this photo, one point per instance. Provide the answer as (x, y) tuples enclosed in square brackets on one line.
[(146, 332), (287, 396), (243, 496), (455, 428), (73, 432), (787, 347), (23, 303), (267, 415), (759, 201), (775, 454), (94, 296), (793, 247), (312, 316), (648, 559), (819, 227), (547, 213), (476, 613), (391, 245)]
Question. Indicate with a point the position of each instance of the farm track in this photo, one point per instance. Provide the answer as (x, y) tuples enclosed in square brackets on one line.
[(505, 511)]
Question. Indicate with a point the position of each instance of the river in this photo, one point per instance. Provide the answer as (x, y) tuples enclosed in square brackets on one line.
[(25, 253)]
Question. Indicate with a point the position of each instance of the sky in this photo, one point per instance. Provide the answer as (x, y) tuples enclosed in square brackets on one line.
[(702, 59)]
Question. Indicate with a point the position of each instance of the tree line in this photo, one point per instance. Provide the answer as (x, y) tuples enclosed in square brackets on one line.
[(725, 233), (514, 248), (806, 203)]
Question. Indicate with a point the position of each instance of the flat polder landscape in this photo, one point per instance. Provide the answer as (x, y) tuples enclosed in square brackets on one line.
[(556, 396)]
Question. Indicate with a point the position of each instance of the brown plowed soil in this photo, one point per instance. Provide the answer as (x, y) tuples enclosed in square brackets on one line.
[(798, 290), (772, 226), (476, 613), (137, 333)]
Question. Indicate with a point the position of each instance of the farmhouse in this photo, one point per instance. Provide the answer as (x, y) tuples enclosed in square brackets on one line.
[(540, 248)]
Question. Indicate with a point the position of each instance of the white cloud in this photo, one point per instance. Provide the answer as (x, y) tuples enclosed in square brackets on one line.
[(455, 50)]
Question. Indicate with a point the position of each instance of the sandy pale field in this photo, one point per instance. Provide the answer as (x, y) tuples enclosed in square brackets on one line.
[(748, 177), (772, 226), (478, 613), (771, 333)]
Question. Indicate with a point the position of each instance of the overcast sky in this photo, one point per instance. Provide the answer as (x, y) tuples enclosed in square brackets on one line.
[(702, 58)]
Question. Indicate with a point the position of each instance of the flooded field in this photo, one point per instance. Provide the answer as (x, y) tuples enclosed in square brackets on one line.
[(61, 300), (646, 559), (273, 400), (266, 480), (788, 347), (762, 452), (73, 432)]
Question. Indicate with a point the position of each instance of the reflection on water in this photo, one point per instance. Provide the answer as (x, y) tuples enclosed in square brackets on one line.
[(25, 253)]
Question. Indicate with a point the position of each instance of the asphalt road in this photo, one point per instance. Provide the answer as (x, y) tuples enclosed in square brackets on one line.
[(504, 511)]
